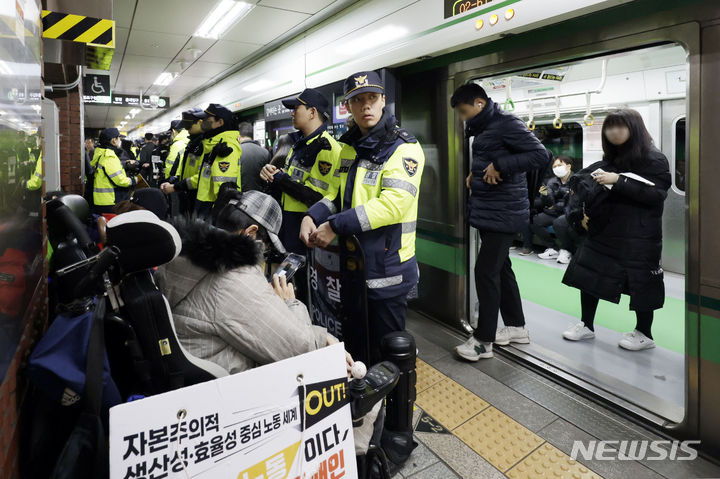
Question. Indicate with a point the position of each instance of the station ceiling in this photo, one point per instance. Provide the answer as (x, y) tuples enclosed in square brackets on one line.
[(156, 36)]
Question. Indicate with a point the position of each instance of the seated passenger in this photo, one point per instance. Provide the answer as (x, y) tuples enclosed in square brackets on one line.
[(223, 307), (554, 195)]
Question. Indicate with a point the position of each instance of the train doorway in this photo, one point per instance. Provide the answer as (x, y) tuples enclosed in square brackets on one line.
[(565, 105)]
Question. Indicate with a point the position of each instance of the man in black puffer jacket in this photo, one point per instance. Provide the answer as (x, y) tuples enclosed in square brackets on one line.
[(503, 151)]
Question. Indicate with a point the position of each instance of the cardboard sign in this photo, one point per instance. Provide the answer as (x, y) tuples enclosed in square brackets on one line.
[(280, 421)]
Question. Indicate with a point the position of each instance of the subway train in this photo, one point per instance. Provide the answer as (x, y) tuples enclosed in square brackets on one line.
[(561, 76)]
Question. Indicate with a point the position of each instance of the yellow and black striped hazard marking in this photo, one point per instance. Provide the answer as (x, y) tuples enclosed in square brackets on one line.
[(79, 28)]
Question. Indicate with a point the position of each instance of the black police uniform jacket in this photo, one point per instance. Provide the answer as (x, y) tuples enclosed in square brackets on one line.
[(621, 254), (502, 139)]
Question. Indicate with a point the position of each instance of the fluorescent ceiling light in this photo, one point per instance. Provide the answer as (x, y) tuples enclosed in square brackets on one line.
[(135, 111), (258, 86), (373, 39), (164, 78), (5, 68), (222, 17)]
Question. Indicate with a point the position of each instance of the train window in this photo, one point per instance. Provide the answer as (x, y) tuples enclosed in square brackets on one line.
[(566, 141), (679, 154)]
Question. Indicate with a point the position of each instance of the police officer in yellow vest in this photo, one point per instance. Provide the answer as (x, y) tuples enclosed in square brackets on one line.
[(35, 181), (309, 174), (111, 185), (192, 158), (380, 169), (220, 163), (179, 140)]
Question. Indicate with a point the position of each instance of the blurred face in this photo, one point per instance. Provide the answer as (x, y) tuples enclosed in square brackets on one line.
[(366, 109), (468, 112), (617, 134), (196, 128), (211, 123), (89, 144), (116, 142)]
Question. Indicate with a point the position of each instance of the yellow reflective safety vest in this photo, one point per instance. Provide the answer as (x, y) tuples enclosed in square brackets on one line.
[(176, 153), (378, 202), (312, 173), (109, 176), (313, 163), (35, 181), (220, 164), (190, 162)]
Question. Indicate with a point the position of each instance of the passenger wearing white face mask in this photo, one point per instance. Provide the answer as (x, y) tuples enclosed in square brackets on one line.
[(554, 196)]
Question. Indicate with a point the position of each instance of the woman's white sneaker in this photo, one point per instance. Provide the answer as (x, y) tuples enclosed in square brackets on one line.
[(564, 256), (472, 350), (579, 332), (636, 341), (512, 334), (549, 253)]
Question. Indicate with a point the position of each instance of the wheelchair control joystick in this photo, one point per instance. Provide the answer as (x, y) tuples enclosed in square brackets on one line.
[(367, 389)]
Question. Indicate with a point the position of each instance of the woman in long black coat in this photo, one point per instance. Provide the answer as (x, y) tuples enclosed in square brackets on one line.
[(621, 255)]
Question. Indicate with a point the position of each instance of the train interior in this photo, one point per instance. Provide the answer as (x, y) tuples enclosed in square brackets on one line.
[(567, 103)]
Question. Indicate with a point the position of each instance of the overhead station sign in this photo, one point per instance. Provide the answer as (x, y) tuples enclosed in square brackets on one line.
[(121, 99)]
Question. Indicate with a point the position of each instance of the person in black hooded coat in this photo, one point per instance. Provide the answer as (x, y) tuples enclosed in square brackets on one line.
[(622, 252)]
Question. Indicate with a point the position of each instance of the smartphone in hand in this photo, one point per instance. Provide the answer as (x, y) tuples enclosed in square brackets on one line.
[(290, 265)]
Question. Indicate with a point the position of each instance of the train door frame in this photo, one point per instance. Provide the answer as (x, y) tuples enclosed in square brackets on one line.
[(617, 39)]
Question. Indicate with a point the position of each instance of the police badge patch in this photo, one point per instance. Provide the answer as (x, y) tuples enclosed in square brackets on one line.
[(324, 167), (410, 165), (225, 165), (360, 80)]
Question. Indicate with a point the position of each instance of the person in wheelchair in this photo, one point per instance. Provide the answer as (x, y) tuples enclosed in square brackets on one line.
[(223, 307)]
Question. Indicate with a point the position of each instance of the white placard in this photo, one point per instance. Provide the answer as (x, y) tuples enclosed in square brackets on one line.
[(244, 426)]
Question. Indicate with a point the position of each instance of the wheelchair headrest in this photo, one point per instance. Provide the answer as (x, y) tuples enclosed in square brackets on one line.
[(63, 223), (144, 240)]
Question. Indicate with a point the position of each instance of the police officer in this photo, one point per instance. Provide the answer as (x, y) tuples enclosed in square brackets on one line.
[(110, 184), (179, 140), (309, 174), (380, 169), (190, 163), (35, 181), (220, 163)]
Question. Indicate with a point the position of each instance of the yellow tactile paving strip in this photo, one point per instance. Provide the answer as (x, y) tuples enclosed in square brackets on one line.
[(450, 403), (499, 439), (427, 376), (503, 442), (549, 461)]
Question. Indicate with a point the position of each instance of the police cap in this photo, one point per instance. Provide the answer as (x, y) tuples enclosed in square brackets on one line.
[(363, 82), (311, 98), (219, 111)]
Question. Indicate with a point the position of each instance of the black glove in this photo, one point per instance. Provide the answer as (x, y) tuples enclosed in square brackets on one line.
[(222, 150), (195, 146)]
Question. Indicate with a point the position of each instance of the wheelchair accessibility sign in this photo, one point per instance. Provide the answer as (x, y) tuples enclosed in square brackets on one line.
[(289, 419), (96, 88)]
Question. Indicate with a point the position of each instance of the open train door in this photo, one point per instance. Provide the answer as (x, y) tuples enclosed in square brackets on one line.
[(338, 293)]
